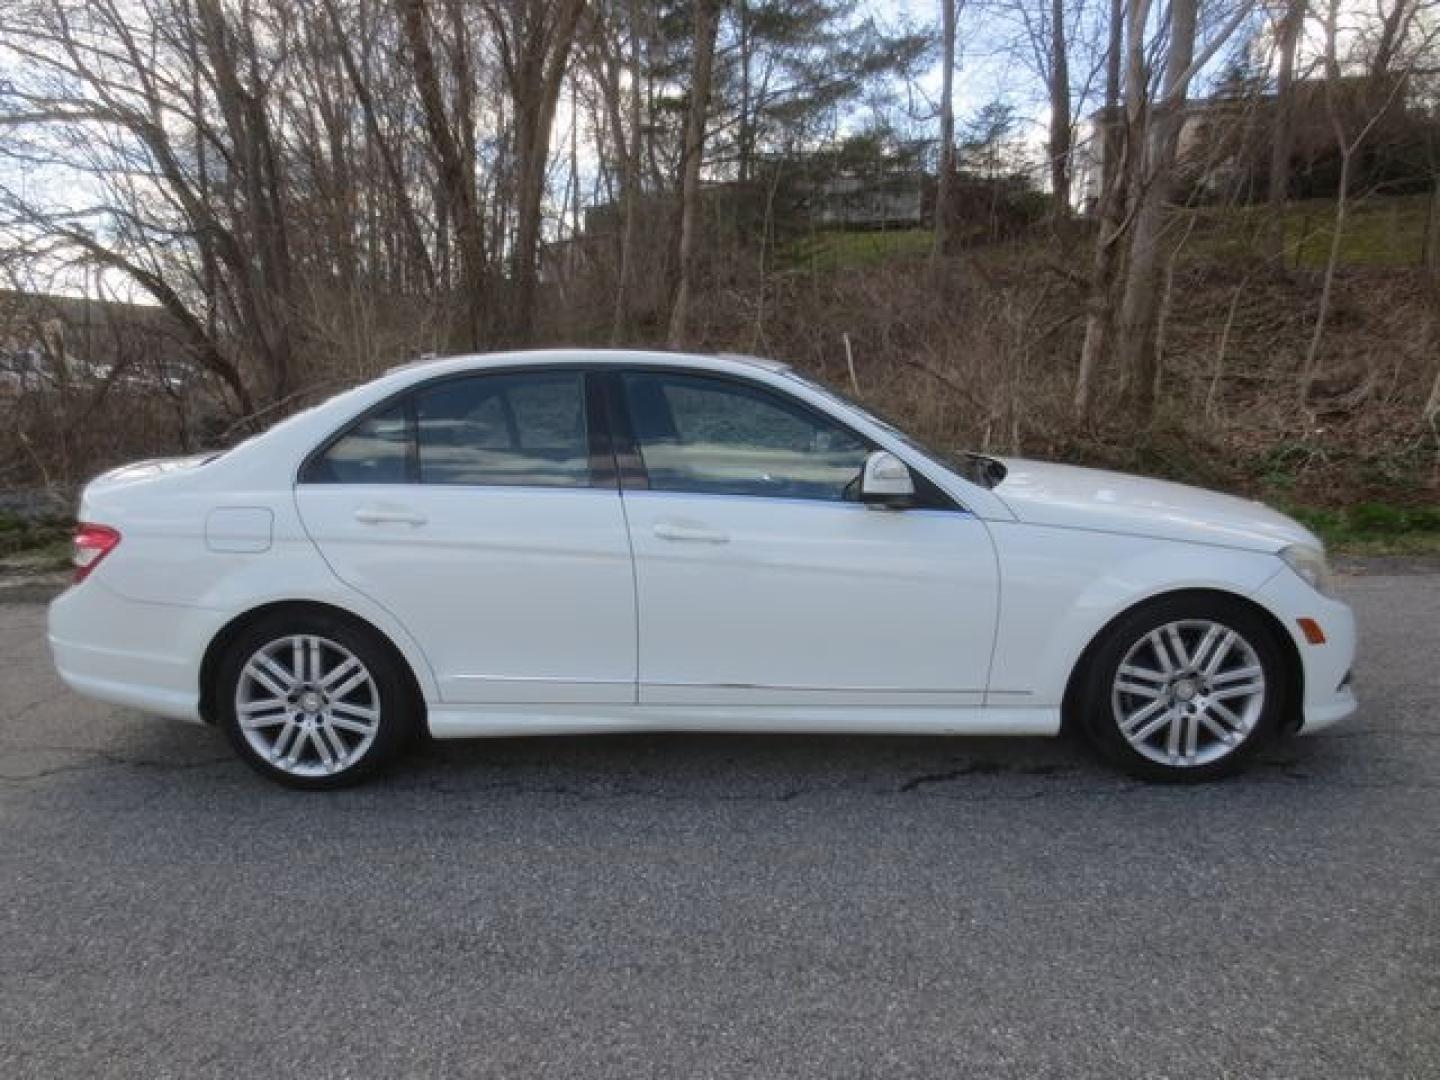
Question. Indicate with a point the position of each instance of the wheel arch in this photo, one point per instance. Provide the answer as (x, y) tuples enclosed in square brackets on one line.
[(1295, 668), (240, 623)]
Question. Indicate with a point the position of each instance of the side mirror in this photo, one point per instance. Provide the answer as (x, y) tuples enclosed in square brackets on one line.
[(886, 481)]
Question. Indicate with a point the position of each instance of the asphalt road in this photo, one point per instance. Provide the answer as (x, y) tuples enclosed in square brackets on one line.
[(724, 906)]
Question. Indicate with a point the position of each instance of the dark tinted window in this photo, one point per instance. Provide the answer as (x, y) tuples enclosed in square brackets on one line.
[(521, 429), (717, 436), (372, 452)]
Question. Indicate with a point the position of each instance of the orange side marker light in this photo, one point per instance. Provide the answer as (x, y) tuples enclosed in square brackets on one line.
[(1311, 629)]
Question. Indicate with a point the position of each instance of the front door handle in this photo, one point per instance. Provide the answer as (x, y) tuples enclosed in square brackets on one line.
[(674, 530), (374, 515)]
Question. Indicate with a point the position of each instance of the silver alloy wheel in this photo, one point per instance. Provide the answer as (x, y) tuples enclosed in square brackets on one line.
[(307, 705), (1189, 693)]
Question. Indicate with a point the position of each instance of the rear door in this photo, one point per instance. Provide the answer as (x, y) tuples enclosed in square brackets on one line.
[(482, 511), (760, 577)]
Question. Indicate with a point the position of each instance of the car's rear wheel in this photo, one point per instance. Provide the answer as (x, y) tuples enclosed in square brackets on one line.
[(1185, 688), (313, 701)]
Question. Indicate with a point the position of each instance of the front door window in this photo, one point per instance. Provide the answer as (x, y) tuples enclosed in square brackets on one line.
[(711, 436)]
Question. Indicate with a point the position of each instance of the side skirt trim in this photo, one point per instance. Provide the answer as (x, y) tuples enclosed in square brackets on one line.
[(451, 722)]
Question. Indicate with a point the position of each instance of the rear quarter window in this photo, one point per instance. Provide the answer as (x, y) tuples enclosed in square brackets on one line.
[(374, 451)]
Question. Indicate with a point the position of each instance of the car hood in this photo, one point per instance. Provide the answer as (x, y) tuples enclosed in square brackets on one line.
[(1070, 497)]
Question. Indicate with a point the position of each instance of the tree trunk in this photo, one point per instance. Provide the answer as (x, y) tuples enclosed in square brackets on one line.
[(1332, 262), (745, 136), (1347, 148), (1432, 403), (458, 197), (945, 185), (1060, 138), (1392, 32), (706, 26), (1431, 246), (532, 148), (631, 192), (535, 74), (1100, 300), (264, 272), (1140, 303), (405, 208), (1283, 135)]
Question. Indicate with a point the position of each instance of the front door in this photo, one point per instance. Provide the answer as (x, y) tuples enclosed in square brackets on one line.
[(762, 580), (474, 510)]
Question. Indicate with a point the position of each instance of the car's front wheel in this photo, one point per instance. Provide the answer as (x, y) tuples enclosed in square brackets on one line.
[(313, 701), (1185, 688)]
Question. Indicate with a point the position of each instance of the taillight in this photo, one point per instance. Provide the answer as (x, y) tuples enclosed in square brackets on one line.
[(92, 543)]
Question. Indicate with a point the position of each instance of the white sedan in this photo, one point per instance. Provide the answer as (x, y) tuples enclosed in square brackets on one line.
[(584, 541)]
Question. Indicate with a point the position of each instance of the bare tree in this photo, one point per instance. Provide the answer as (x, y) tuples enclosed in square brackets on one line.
[(1394, 26), (417, 252), (1287, 40), (706, 24), (1047, 47), (124, 103), (632, 180), (1152, 160), (450, 140), (615, 59), (944, 198), (1060, 120), (1377, 94), (1113, 136), (241, 98), (534, 38)]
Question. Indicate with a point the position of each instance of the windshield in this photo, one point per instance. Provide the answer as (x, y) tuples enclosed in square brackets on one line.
[(977, 468)]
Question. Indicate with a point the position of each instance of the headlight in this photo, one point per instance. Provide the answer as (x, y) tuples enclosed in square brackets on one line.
[(1310, 564)]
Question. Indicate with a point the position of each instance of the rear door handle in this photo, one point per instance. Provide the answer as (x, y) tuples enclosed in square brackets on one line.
[(373, 515), (672, 530)]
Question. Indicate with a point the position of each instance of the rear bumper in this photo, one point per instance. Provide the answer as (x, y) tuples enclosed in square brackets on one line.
[(1328, 695), (141, 655)]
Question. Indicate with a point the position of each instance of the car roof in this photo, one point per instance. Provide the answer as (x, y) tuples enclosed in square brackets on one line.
[(478, 361)]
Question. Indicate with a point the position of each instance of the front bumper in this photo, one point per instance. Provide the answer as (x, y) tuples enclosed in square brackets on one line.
[(1327, 667)]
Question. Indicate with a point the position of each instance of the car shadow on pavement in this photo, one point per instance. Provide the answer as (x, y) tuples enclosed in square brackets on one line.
[(666, 766), (780, 767)]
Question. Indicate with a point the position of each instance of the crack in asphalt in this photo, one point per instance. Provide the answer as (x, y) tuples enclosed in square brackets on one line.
[(940, 778), (57, 770), (983, 768), (1367, 733), (787, 795), (440, 787), (1280, 773), (107, 760), (31, 706)]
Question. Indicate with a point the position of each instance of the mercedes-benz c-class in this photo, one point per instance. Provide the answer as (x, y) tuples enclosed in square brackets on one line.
[(595, 541)]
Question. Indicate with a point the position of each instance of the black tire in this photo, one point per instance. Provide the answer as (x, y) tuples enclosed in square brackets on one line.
[(399, 717), (1099, 698)]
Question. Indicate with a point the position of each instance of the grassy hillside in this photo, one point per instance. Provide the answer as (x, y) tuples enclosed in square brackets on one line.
[(1380, 232), (980, 351), (825, 251)]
